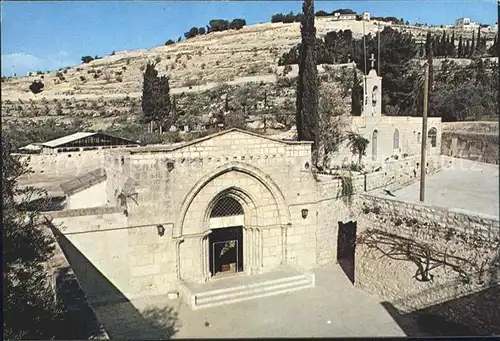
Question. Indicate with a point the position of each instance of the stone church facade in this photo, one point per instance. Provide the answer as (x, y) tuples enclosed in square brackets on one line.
[(229, 204)]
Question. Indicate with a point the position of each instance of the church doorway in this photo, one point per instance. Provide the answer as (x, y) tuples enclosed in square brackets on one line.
[(226, 251), (225, 242)]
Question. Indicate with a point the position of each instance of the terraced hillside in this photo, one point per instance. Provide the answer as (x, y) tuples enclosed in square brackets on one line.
[(110, 88)]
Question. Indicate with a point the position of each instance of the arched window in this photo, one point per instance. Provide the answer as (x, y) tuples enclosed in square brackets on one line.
[(432, 136), (418, 137), (395, 140), (374, 95), (226, 206), (374, 145)]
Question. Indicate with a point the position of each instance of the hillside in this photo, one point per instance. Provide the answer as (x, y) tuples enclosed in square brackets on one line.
[(111, 87)]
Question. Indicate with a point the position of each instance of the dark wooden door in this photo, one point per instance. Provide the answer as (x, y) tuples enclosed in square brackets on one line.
[(219, 258), (346, 248)]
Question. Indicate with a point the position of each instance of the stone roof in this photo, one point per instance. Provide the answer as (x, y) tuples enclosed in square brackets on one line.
[(84, 181), (176, 146)]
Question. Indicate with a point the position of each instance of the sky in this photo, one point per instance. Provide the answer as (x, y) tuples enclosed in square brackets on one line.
[(47, 35)]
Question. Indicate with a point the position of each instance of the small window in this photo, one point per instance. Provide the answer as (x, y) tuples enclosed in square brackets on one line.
[(418, 137), (432, 136), (395, 140)]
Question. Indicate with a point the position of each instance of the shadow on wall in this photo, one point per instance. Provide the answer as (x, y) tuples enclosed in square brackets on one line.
[(475, 314), (121, 319)]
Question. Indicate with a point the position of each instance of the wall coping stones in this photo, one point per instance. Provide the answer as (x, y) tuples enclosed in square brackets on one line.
[(83, 212), (173, 147), (422, 206)]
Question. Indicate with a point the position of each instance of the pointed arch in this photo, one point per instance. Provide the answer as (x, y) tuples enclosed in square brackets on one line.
[(235, 166)]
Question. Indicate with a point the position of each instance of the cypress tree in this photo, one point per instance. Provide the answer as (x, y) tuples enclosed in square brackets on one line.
[(428, 43), (478, 41), (460, 47), (356, 95), (442, 45), (163, 105), (156, 104), (472, 48), (148, 89), (467, 49), (452, 51), (307, 120)]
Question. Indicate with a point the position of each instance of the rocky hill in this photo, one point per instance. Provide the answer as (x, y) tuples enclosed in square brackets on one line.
[(108, 88)]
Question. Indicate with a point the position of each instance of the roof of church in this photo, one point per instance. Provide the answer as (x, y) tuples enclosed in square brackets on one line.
[(173, 147)]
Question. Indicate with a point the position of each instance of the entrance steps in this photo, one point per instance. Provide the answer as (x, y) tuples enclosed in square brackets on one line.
[(241, 288)]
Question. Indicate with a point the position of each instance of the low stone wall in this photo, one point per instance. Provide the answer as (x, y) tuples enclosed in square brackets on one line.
[(471, 237), (395, 173), (472, 146), (64, 164), (476, 141)]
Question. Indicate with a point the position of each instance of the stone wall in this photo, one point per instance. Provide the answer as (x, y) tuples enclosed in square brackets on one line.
[(331, 210), (472, 146), (94, 196), (457, 233), (471, 140), (65, 164)]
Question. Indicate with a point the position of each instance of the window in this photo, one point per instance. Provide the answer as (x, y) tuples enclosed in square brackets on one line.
[(374, 95), (226, 206), (374, 145), (432, 136), (395, 140)]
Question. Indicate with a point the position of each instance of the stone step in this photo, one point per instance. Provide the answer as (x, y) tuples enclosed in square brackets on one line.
[(250, 286), (253, 291)]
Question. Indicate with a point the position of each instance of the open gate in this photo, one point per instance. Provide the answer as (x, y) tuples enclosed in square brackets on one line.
[(346, 248)]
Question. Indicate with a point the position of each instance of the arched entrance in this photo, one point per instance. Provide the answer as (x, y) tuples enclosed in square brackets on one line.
[(225, 242)]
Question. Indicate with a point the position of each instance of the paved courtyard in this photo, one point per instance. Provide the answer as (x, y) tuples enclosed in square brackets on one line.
[(465, 184), (334, 308)]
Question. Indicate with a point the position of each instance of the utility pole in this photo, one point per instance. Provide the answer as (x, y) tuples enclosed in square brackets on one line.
[(424, 135), (378, 50), (364, 76)]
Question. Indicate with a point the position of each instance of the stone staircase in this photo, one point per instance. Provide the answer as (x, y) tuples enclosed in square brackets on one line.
[(226, 291)]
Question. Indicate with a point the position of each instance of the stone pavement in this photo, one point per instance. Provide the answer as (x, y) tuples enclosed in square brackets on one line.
[(334, 308), (465, 184)]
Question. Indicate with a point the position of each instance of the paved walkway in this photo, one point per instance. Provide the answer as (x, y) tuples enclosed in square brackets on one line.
[(465, 184), (334, 308)]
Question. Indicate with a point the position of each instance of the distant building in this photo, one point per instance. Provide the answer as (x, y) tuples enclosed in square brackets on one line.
[(466, 24), (344, 16), (366, 16), (85, 141), (492, 28)]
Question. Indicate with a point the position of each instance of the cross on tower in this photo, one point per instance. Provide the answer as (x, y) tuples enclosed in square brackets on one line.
[(372, 59)]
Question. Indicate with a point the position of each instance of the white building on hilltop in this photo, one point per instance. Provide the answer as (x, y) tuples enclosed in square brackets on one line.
[(466, 24), (344, 16)]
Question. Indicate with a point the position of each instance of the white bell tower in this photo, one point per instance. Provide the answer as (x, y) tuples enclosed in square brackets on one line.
[(372, 85)]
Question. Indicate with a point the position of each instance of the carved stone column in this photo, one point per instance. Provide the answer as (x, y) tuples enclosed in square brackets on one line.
[(178, 256)]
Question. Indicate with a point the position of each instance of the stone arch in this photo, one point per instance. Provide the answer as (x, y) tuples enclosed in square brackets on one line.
[(251, 210), (234, 166), (432, 136), (374, 145), (395, 139)]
